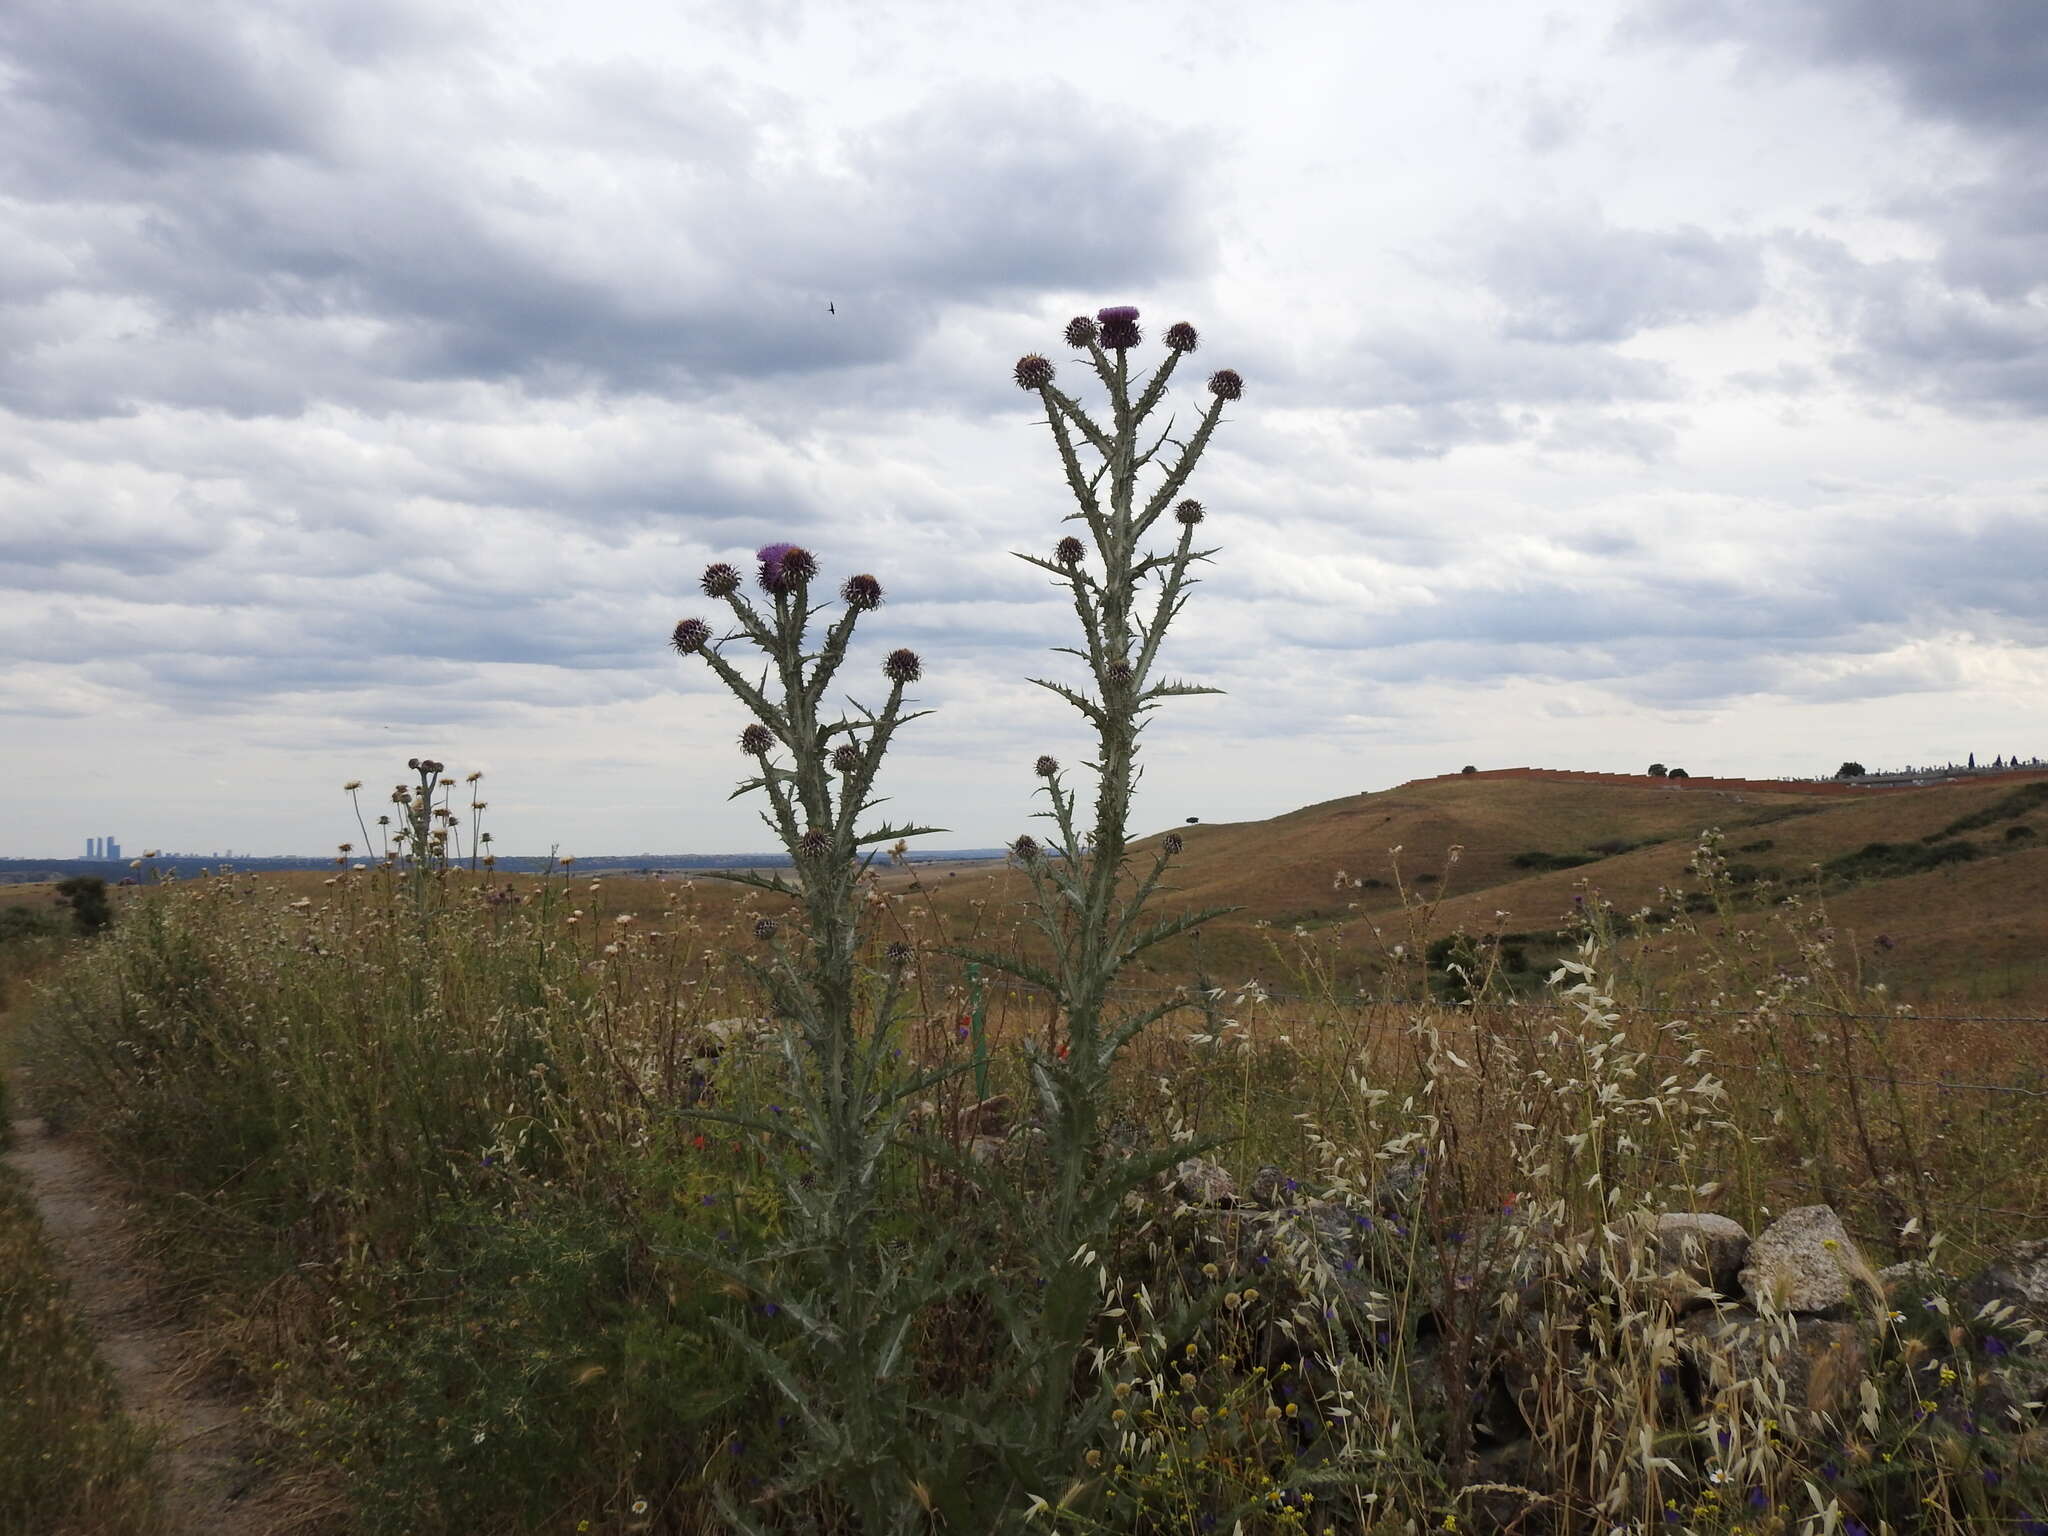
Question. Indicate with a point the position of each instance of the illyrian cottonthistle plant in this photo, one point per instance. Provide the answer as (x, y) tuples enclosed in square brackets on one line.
[(1128, 569), (817, 774)]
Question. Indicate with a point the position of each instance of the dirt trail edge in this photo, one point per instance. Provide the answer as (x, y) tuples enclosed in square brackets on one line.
[(213, 1483)]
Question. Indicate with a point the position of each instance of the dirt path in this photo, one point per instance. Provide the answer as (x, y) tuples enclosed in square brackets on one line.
[(215, 1485)]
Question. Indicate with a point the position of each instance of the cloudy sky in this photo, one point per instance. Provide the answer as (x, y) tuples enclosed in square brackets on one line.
[(1646, 379)]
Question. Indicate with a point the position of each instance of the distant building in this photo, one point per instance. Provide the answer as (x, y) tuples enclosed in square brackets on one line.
[(110, 849)]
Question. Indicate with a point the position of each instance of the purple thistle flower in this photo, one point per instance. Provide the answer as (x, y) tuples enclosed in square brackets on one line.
[(846, 759), (902, 666), (1033, 371), (1188, 513), (757, 739), (862, 592), (720, 579), (1046, 766), (771, 556), (1181, 336), (764, 929), (1070, 550), (1994, 1345), (690, 636), (1080, 331), (1119, 326), (1226, 384)]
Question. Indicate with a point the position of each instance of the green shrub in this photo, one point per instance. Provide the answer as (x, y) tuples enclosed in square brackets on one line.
[(2026, 798)]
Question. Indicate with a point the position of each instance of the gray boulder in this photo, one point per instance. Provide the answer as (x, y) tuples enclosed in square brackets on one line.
[(1805, 1261), (1803, 1362)]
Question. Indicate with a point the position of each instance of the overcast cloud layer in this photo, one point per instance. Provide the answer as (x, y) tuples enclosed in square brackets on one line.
[(1641, 380)]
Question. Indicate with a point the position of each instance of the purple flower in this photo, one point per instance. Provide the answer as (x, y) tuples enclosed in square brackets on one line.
[(771, 557), (1080, 331), (1993, 1344), (1119, 326), (690, 636), (1033, 371)]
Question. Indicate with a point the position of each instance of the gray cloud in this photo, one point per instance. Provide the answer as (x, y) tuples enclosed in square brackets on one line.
[(1570, 278)]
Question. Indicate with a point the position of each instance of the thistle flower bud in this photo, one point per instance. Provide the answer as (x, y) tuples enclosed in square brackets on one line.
[(765, 928), (1119, 326), (720, 579), (1172, 844), (1226, 384), (798, 564), (1181, 336), (902, 666), (1120, 673), (862, 592), (1070, 550), (1033, 371), (1080, 331), (898, 955), (1046, 767), (1188, 513), (814, 844), (756, 739), (690, 636), (846, 759), (1025, 848), (412, 762)]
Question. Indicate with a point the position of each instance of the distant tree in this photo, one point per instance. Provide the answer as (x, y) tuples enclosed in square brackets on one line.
[(1656, 770), (1468, 768), (86, 895), (1850, 770), (1678, 773), (1193, 819)]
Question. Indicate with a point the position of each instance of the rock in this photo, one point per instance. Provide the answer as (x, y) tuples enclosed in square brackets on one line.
[(1272, 1188), (1699, 1251), (2019, 1281), (1805, 1261), (1198, 1181), (1819, 1361)]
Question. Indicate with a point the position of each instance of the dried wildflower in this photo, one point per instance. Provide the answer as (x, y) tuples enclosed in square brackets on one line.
[(1046, 767), (1025, 848), (756, 739), (765, 928), (846, 759), (1181, 336), (719, 580), (815, 843), (1033, 371), (1119, 326), (351, 786), (1188, 513), (1080, 331), (691, 636), (1172, 843), (1070, 550), (1226, 384), (862, 592), (902, 666), (898, 954)]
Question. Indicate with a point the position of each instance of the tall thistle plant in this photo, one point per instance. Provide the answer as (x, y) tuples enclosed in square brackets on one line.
[(817, 772), (1128, 585)]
